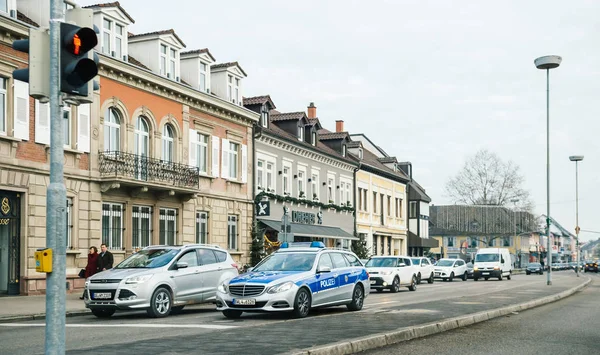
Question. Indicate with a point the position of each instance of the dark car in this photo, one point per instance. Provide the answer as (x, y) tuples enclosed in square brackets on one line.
[(534, 268), (469, 270), (591, 266)]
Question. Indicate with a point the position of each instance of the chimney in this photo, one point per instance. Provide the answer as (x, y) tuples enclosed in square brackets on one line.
[(339, 126), (312, 110)]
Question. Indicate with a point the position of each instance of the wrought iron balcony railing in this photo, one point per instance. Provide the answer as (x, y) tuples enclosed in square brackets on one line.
[(138, 167)]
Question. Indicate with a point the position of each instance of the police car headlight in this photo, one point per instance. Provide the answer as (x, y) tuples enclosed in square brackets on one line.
[(386, 273), (223, 288), (286, 286)]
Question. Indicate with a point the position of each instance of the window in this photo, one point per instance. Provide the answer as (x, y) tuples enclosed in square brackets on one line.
[(473, 243), (233, 160), (338, 260), (389, 206), (69, 222), (230, 88), (163, 59), (314, 138), (112, 225), (67, 126), (352, 260), (330, 196), (342, 193), (118, 41), (207, 256), (141, 148), (202, 153), (270, 177), (112, 130), (3, 123), (412, 211), (4, 5), (374, 202), (451, 241), (172, 60), (360, 199), (236, 98), (202, 227), (190, 258), (506, 241), (381, 211), (106, 35), (141, 229), (398, 208), (344, 150), (300, 133), (365, 203), (264, 116), (167, 226), (168, 141), (315, 185), (286, 180), (360, 153), (221, 256), (232, 235), (260, 166), (203, 68), (112, 38), (325, 261), (301, 187)]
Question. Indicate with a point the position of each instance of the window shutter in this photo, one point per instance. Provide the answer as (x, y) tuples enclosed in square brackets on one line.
[(225, 158), (244, 163), (42, 123), (83, 127), (21, 110), (193, 148), (215, 156)]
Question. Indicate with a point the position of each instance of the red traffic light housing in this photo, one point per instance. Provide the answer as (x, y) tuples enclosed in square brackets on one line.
[(77, 68)]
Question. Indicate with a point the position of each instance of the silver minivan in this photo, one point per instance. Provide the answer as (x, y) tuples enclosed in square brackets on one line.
[(160, 279)]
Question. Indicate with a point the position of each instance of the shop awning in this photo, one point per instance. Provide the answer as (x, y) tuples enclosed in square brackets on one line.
[(416, 241), (311, 230)]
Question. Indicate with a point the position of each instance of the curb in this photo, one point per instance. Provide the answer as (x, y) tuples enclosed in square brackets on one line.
[(408, 333), (39, 316)]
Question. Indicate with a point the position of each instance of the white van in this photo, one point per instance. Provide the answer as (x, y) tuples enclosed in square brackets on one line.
[(492, 262)]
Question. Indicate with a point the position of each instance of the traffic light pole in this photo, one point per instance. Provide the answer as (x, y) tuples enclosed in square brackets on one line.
[(56, 197)]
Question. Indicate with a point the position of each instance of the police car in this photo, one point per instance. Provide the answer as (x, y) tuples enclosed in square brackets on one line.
[(296, 278)]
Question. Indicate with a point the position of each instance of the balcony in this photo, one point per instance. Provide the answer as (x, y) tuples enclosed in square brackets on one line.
[(142, 174)]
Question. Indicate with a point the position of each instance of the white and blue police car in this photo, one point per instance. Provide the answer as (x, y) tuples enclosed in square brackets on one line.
[(296, 278)]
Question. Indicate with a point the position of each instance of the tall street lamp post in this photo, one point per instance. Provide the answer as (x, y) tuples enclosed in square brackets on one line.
[(517, 245), (576, 159), (547, 63)]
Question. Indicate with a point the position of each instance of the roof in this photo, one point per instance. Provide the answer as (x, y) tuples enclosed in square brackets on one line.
[(111, 4), (417, 192), (388, 160), (26, 19), (288, 116), (370, 141), (163, 32), (136, 62), (332, 135), (258, 100), (227, 65), (371, 160), (354, 144), (314, 121), (199, 51)]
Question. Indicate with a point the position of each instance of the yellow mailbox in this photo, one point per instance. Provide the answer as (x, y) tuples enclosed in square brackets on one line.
[(43, 260)]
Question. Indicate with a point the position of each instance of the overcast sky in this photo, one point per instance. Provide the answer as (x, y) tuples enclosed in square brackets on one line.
[(431, 82)]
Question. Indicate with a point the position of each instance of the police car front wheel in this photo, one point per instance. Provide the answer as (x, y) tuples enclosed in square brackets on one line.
[(358, 299), (301, 304)]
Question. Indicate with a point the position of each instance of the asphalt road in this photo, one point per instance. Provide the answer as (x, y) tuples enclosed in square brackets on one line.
[(200, 329), (569, 326)]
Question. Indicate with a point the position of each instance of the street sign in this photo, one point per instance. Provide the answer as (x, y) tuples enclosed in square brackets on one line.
[(263, 208)]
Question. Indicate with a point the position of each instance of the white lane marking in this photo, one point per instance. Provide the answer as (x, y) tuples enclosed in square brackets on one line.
[(501, 297), (467, 302), (129, 325)]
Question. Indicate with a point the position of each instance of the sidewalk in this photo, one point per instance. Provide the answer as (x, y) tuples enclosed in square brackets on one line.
[(13, 308)]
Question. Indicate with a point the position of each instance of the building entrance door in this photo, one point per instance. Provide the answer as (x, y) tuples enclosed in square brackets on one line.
[(10, 213)]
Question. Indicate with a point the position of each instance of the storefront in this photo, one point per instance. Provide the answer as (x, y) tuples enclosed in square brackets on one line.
[(299, 222), (10, 236)]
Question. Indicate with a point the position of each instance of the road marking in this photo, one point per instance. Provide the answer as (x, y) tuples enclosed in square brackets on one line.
[(129, 325), (501, 297), (467, 302)]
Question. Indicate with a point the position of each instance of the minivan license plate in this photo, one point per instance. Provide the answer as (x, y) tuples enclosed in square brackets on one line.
[(102, 295), (245, 301)]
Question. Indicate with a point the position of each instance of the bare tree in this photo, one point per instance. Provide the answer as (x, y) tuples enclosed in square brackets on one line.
[(487, 180)]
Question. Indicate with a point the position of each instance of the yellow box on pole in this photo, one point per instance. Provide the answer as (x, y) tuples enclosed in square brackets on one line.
[(43, 260)]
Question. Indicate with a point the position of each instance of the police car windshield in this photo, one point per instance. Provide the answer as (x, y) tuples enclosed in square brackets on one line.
[(148, 259), (288, 262), (382, 262)]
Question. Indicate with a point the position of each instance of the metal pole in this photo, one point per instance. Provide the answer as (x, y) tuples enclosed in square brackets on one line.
[(56, 199), (549, 251), (577, 214)]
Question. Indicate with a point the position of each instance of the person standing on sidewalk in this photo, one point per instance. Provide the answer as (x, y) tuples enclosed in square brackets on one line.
[(105, 260), (92, 265)]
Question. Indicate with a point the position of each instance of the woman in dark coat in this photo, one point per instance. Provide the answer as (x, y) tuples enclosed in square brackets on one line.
[(92, 264)]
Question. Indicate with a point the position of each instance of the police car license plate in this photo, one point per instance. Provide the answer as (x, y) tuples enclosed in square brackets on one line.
[(102, 295), (244, 301)]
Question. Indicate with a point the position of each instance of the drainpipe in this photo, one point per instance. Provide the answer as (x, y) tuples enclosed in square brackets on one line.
[(253, 191), (354, 198)]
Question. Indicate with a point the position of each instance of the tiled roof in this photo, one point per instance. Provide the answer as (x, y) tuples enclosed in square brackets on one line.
[(199, 51), (258, 100), (332, 135), (372, 160), (353, 144), (288, 116), (112, 4), (388, 160), (163, 32), (313, 121), (26, 19), (227, 65), (136, 62)]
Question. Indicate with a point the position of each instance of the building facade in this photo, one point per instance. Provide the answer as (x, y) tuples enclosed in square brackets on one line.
[(301, 171)]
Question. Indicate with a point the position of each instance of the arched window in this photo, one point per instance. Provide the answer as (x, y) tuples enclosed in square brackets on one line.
[(141, 137), (112, 130), (167, 143)]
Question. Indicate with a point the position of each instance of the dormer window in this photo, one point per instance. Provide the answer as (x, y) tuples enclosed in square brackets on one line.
[(360, 153), (344, 150), (112, 38), (233, 89), (264, 116), (300, 133), (314, 138), (168, 61), (4, 6), (202, 86)]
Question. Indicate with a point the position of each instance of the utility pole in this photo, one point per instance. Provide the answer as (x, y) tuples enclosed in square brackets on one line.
[(56, 196)]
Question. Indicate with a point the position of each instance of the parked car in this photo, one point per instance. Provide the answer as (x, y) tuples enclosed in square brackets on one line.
[(391, 273), (492, 262), (424, 269), (160, 279), (534, 268), (591, 266), (448, 269), (297, 278), (470, 272)]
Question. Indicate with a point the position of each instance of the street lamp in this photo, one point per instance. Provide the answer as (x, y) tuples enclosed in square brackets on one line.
[(576, 159), (546, 63), (514, 201)]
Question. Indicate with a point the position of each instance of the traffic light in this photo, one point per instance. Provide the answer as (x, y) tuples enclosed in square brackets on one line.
[(76, 68), (38, 72)]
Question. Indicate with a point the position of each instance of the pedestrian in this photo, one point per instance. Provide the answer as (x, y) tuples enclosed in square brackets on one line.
[(105, 260), (92, 265)]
